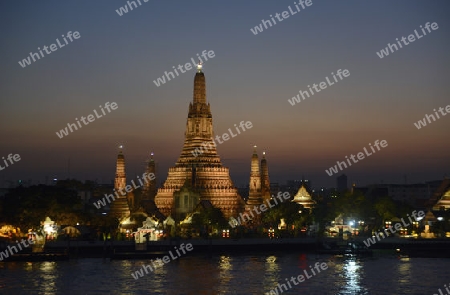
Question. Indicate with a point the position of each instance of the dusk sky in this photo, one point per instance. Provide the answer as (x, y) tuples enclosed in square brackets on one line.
[(251, 77)]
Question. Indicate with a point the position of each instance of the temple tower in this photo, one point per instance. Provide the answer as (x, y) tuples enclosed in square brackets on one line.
[(265, 182), (199, 169), (119, 207), (149, 188), (254, 195), (120, 181)]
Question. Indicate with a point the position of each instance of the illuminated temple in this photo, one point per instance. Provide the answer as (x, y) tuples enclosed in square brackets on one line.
[(198, 176), (259, 185), (120, 208), (197, 179)]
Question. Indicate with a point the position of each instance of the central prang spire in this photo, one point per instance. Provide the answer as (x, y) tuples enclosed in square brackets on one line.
[(199, 85), (199, 123)]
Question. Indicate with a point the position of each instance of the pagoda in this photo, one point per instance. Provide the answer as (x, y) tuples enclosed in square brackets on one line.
[(199, 176), (149, 188), (254, 194), (265, 182), (120, 207)]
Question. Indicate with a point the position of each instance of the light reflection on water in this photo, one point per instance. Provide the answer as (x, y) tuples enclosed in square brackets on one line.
[(47, 277), (352, 273), (227, 274)]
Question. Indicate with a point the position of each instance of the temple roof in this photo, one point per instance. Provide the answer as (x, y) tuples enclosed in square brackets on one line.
[(444, 202), (304, 197)]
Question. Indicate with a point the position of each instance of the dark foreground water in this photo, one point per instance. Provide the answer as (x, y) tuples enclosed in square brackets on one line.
[(229, 274)]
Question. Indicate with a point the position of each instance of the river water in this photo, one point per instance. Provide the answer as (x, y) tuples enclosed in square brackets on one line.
[(229, 274)]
